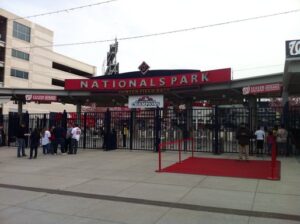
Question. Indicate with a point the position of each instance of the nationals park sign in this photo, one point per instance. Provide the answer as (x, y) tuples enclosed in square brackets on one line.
[(104, 83)]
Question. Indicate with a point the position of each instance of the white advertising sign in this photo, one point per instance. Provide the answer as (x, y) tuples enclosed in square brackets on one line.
[(263, 88), (41, 97), (146, 101)]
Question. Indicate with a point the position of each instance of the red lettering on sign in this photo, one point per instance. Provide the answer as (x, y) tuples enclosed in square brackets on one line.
[(172, 81)]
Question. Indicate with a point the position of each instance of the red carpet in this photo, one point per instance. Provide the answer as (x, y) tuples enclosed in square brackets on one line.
[(257, 169)]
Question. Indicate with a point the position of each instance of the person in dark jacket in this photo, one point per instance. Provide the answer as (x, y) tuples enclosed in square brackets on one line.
[(59, 139), (34, 142), (243, 136), (21, 140)]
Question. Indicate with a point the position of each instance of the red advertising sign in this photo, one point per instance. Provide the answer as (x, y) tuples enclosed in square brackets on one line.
[(263, 88), (172, 81), (41, 98)]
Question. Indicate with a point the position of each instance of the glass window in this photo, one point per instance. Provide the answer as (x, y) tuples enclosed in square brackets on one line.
[(20, 54), (21, 31), (19, 73), (57, 82)]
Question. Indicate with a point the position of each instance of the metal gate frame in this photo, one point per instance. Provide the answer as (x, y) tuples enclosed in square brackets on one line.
[(213, 129)]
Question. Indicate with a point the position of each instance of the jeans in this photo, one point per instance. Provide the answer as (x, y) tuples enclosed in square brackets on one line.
[(74, 146), (33, 148), (46, 148), (21, 146), (68, 145), (61, 142), (281, 147), (243, 151)]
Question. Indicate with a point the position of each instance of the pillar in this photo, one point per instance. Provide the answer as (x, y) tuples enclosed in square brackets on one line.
[(157, 129), (78, 112), (253, 112), (285, 119), (189, 118), (285, 109), (131, 127), (285, 97), (216, 125), (20, 110)]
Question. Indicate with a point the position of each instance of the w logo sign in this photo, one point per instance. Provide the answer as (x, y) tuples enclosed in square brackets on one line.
[(28, 97), (293, 48)]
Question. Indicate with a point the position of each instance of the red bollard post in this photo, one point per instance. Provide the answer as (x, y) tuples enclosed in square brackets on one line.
[(273, 163)]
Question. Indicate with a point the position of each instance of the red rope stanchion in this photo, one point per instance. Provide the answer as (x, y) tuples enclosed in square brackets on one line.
[(179, 142), (273, 163)]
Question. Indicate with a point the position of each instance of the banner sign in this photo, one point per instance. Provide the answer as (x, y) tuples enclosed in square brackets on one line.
[(172, 81), (41, 98), (146, 101), (264, 88), (292, 48)]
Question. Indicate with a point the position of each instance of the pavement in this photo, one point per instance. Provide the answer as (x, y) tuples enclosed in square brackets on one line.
[(121, 186)]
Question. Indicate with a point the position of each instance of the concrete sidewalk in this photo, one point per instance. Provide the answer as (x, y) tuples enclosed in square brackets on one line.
[(123, 187)]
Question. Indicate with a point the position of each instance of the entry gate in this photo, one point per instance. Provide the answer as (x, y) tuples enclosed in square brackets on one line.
[(213, 129)]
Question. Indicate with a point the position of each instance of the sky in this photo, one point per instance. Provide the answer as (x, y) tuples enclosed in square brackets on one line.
[(250, 48)]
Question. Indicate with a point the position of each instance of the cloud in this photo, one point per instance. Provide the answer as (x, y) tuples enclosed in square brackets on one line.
[(250, 44)]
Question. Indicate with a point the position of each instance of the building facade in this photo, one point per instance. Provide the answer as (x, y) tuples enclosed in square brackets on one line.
[(24, 66)]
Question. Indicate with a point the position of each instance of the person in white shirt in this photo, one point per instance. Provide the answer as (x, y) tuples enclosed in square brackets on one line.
[(260, 137), (45, 141), (76, 132)]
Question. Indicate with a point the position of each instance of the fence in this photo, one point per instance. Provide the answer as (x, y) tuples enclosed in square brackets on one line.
[(213, 129)]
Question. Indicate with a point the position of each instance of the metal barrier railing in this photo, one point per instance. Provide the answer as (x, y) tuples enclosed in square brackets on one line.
[(179, 142)]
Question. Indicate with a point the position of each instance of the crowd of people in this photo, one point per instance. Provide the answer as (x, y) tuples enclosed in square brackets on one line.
[(264, 138), (67, 139), (50, 140)]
